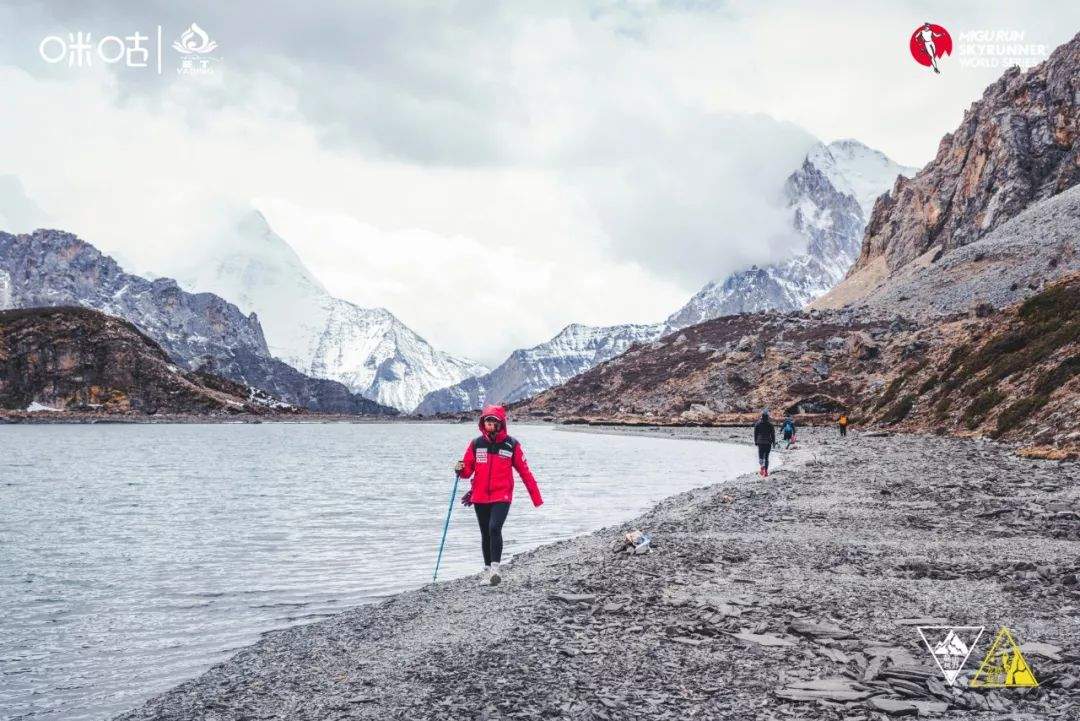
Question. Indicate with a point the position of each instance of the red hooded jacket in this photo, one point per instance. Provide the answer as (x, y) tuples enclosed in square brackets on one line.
[(493, 461)]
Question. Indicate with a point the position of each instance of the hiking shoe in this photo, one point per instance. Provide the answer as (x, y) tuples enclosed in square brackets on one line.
[(765, 473), (484, 578), (495, 578), (761, 471)]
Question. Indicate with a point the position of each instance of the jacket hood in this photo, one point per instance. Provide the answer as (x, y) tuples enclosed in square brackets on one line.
[(500, 413)]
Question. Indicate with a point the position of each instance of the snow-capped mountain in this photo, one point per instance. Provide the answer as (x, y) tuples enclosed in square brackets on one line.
[(370, 350), (527, 371), (831, 197), (857, 170), (198, 330), (367, 349)]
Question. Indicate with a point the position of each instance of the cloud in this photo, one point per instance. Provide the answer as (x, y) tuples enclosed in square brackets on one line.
[(464, 295), (18, 211), (616, 154), (700, 200)]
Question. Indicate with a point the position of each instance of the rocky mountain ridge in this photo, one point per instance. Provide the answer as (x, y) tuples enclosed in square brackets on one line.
[(199, 331), (1006, 266), (1016, 146), (76, 359), (1010, 374), (961, 315), (529, 370)]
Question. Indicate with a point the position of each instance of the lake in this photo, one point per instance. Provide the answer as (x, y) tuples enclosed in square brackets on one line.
[(133, 557)]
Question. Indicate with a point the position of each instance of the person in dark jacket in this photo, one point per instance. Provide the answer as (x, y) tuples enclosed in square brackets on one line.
[(491, 460), (764, 439)]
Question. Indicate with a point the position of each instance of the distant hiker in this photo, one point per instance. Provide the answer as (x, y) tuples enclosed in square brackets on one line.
[(843, 424), (788, 430), (491, 459), (764, 439)]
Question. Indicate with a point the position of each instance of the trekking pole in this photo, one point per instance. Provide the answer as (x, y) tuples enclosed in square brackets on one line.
[(446, 525)]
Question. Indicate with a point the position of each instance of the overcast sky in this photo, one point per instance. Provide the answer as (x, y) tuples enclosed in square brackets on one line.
[(542, 163)]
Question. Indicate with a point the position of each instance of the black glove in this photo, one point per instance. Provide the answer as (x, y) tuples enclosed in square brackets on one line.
[(466, 500)]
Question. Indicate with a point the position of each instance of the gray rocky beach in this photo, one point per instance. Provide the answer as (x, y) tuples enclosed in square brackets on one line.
[(788, 597)]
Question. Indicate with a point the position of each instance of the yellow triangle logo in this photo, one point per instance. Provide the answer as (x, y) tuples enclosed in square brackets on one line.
[(1004, 665)]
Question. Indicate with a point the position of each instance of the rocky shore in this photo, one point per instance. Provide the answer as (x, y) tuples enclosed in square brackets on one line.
[(791, 597)]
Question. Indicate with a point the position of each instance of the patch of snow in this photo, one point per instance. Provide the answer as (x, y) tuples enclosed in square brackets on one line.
[(36, 407), (266, 400), (6, 291), (857, 170)]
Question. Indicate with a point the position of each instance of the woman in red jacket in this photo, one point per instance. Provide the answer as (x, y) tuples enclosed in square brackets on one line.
[(491, 460)]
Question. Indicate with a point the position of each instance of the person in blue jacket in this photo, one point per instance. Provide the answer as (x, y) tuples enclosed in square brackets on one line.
[(788, 429)]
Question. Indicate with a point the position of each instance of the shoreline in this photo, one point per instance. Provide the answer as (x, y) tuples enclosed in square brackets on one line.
[(756, 588), (43, 418)]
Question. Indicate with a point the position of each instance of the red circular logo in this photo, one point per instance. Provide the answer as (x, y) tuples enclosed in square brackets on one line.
[(928, 43)]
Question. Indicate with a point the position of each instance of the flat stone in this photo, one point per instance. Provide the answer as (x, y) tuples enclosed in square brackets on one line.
[(931, 708), (928, 621), (763, 639), (1034, 648), (873, 668), (829, 689), (687, 640), (899, 655), (937, 687), (823, 630), (894, 706), (835, 654), (573, 597), (728, 610)]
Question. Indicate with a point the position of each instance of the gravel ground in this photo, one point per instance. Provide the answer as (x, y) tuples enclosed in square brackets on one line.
[(795, 596)]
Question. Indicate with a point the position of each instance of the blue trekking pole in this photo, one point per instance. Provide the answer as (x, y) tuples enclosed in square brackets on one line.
[(453, 495)]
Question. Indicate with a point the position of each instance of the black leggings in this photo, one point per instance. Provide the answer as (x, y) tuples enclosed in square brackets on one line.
[(491, 517), (763, 454)]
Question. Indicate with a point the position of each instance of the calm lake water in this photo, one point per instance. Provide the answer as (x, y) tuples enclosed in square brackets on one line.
[(134, 557)]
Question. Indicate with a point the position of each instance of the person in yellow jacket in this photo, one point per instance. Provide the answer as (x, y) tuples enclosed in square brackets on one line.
[(843, 424)]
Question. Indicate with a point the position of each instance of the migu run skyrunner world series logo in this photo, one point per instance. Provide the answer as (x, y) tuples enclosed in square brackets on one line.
[(929, 43)]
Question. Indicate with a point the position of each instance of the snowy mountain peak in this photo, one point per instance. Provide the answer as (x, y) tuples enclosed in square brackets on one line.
[(830, 196), (857, 170), (367, 349), (527, 371)]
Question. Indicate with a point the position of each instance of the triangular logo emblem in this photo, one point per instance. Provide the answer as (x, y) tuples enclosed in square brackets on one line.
[(1004, 665), (950, 646)]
